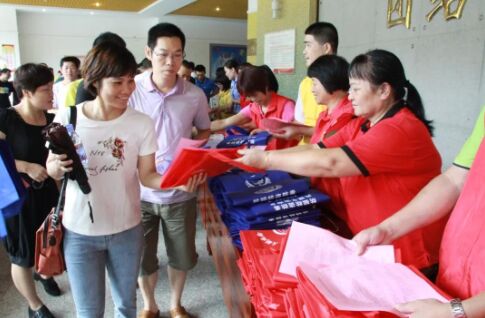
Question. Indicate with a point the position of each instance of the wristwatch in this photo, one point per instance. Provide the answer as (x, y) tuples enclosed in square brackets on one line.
[(457, 308)]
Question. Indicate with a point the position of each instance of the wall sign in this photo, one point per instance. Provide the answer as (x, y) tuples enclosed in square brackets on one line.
[(399, 11)]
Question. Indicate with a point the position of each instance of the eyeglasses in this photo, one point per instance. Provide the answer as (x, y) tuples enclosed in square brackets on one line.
[(163, 55)]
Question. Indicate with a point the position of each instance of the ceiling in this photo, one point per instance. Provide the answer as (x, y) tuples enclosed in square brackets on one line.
[(229, 9)]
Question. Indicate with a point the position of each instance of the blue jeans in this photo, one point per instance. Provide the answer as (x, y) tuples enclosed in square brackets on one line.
[(87, 257)]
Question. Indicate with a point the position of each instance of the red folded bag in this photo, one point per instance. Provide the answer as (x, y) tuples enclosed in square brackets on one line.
[(191, 161)]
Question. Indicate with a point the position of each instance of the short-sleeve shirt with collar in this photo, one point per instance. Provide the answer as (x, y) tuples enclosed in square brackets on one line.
[(174, 115), (469, 150), (397, 158)]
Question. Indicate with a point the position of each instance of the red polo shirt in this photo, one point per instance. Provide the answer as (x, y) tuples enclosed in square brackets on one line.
[(462, 257), (328, 124), (397, 158), (277, 107)]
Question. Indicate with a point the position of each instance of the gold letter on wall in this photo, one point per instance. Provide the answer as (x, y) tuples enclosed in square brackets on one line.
[(401, 10), (448, 11)]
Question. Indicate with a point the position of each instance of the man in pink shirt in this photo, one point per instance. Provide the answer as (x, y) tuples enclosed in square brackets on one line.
[(175, 105)]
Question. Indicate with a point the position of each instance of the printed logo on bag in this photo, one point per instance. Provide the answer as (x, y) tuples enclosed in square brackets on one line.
[(280, 232), (269, 189), (252, 182), (295, 202), (266, 240)]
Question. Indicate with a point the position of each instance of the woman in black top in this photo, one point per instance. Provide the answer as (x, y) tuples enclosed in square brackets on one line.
[(21, 127)]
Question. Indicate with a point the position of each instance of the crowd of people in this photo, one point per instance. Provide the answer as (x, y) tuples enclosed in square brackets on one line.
[(358, 130)]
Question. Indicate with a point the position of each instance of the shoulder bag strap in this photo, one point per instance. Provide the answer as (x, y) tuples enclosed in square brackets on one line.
[(73, 116)]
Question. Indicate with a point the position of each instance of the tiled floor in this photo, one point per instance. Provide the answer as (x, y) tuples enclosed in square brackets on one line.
[(202, 295)]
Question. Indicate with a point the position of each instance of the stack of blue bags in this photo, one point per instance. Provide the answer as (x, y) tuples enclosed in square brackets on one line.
[(270, 200)]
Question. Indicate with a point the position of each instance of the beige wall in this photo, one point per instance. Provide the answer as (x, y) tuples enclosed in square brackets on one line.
[(294, 15)]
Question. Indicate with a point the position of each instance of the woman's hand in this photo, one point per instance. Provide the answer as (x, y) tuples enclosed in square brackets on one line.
[(254, 157), (288, 132), (193, 182), (256, 131), (37, 172), (58, 165), (375, 235), (425, 308)]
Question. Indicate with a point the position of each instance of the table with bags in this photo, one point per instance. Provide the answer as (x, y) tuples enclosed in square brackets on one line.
[(225, 256), (238, 200), (279, 254), (274, 259)]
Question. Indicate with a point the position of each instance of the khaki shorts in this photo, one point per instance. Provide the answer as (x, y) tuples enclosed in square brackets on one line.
[(178, 228)]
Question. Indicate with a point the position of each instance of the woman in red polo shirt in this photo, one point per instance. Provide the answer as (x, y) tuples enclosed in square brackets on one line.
[(382, 159), (329, 74), (462, 258), (259, 85)]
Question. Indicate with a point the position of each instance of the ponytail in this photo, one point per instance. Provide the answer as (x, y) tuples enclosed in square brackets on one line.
[(413, 102)]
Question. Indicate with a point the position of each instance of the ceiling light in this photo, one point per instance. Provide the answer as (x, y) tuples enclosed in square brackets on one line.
[(97, 4), (218, 9)]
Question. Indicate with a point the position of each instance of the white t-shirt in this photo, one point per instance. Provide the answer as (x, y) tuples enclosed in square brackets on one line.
[(59, 89), (112, 148)]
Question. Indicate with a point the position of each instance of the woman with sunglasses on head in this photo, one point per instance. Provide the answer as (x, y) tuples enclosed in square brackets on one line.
[(21, 126), (103, 230), (381, 159)]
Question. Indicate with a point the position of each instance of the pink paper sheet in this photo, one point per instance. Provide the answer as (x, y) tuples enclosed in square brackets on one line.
[(316, 246), (366, 285)]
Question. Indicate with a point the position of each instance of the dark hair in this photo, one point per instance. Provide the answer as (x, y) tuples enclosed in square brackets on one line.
[(224, 81), (245, 64), (161, 30), (71, 59), (5, 70), (324, 32), (106, 60), (187, 64), (332, 71), (232, 63), (380, 66), (272, 81), (199, 68), (254, 79), (220, 72), (31, 76), (109, 37)]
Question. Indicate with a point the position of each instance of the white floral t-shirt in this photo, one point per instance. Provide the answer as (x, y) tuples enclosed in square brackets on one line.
[(112, 148)]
